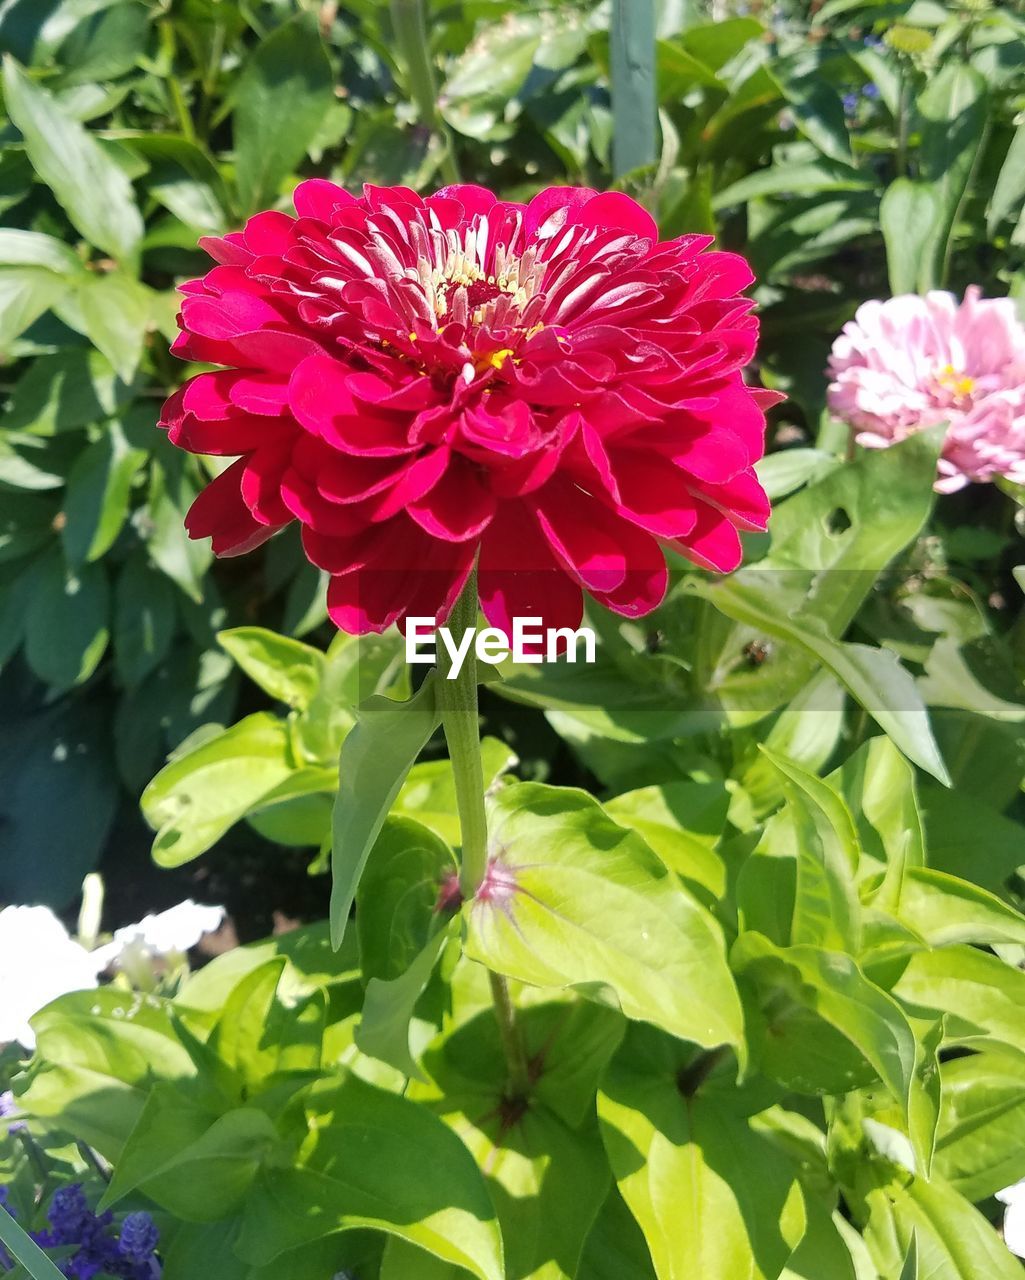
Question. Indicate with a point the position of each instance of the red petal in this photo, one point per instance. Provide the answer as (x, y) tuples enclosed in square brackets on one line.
[(519, 577), (261, 484), (614, 209), (458, 507), (219, 513), (714, 543), (318, 198)]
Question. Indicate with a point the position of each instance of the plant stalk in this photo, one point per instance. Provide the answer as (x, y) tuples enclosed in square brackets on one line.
[(411, 37), (457, 699), (518, 1083)]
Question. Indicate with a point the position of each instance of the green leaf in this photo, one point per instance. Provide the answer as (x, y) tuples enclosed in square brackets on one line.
[(807, 731), (982, 997), (909, 1271), (818, 112), (429, 792), (98, 1056), (873, 676), (114, 312), (544, 1163), (713, 1198), (829, 986), (788, 179), (944, 910), (616, 1248), (26, 523), (25, 294), (953, 108), (35, 271), (63, 751), (285, 668), (399, 899), (387, 1030), (145, 614), (878, 786), (64, 391), (375, 759), (183, 560), (572, 899), (955, 1242), (91, 187), (200, 795), (908, 215), (98, 496), (255, 1035), (968, 838), (281, 97), (1008, 196), (184, 178), (24, 1249), (683, 823), (195, 1164), (782, 472), (375, 1159), (827, 912), (981, 1144), (313, 965), (19, 248), (67, 624)]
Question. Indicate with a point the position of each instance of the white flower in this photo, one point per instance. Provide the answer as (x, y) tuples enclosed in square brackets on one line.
[(166, 933), (39, 961), (1014, 1217)]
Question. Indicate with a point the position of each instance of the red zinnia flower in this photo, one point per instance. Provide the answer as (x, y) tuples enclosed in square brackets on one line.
[(420, 382)]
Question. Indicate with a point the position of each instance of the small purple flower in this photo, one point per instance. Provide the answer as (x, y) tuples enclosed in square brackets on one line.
[(871, 91), (99, 1251), (8, 1107), (872, 41), (850, 103), (139, 1236), (70, 1215)]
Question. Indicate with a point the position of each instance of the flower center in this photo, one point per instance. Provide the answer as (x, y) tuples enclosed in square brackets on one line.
[(469, 279), (956, 384)]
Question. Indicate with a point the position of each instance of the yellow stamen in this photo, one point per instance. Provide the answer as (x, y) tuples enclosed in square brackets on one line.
[(958, 384), (493, 360)]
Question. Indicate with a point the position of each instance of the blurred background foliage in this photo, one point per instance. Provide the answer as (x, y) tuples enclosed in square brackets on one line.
[(846, 148)]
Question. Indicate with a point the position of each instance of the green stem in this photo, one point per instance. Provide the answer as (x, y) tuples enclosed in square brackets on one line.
[(458, 701), (903, 105), (411, 37), (518, 1084)]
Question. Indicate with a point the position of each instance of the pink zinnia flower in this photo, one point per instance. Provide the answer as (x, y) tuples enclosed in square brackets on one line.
[(914, 362), (544, 388)]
